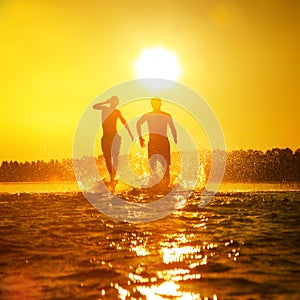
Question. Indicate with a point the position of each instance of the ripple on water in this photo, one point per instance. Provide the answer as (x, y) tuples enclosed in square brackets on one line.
[(240, 246)]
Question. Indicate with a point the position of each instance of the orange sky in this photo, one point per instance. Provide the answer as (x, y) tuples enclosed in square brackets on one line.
[(57, 56)]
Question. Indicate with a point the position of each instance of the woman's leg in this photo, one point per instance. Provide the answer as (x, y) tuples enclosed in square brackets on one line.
[(115, 151), (106, 148)]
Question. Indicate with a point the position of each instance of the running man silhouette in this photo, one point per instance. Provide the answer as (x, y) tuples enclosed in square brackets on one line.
[(158, 122), (111, 141)]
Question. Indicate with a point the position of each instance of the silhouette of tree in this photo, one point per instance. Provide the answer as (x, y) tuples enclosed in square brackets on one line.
[(275, 165), (36, 171), (296, 164)]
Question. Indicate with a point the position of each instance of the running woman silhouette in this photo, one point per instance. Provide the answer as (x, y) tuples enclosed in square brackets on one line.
[(111, 141)]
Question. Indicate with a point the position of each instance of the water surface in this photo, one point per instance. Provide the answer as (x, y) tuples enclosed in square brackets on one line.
[(243, 245)]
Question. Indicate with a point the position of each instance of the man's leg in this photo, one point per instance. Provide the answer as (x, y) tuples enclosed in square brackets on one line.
[(165, 181), (153, 160), (166, 178), (165, 153)]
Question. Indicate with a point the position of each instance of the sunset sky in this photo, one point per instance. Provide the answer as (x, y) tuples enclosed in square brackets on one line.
[(57, 56)]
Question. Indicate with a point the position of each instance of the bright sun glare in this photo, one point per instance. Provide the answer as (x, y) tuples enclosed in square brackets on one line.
[(157, 62)]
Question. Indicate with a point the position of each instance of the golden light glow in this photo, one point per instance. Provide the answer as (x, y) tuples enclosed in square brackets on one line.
[(157, 62), (243, 57)]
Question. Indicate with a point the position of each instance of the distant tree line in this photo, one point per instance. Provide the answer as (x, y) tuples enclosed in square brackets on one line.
[(276, 165), (53, 170)]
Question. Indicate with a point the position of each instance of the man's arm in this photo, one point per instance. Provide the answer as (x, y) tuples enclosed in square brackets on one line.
[(173, 129), (138, 129)]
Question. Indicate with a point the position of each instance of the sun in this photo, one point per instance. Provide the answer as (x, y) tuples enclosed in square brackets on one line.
[(157, 62)]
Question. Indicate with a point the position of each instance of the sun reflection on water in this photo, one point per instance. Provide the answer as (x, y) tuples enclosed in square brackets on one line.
[(181, 265), (169, 264), (140, 250), (175, 254)]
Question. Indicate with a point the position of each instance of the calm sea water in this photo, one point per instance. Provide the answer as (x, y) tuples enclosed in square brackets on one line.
[(244, 245)]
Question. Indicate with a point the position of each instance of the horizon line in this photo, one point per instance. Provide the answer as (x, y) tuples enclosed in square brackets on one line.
[(101, 154)]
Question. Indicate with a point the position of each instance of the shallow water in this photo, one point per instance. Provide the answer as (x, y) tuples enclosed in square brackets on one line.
[(243, 245)]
